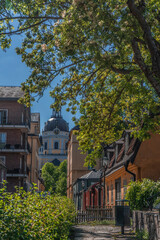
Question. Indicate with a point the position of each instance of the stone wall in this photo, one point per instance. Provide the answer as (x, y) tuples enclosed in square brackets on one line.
[(148, 221)]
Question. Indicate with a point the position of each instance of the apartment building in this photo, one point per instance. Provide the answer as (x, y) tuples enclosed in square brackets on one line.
[(33, 158), (3, 171), (14, 128)]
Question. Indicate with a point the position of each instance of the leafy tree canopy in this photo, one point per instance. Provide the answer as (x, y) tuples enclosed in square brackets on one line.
[(107, 54), (55, 178)]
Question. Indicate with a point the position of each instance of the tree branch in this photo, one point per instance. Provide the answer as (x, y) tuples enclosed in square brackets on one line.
[(155, 54), (121, 70), (23, 29), (34, 17), (145, 69)]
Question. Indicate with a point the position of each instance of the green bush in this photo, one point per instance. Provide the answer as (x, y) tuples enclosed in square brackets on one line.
[(142, 235), (33, 216), (142, 194)]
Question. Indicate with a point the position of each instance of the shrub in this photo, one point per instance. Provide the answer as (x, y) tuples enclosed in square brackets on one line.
[(34, 216), (142, 235), (142, 194)]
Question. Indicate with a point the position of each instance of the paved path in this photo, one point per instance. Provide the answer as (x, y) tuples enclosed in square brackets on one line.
[(101, 232)]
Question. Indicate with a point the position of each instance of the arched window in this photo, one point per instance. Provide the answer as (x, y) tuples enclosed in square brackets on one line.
[(45, 146), (66, 145), (56, 145)]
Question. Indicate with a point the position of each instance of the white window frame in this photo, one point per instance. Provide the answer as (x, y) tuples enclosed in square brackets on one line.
[(25, 166), (2, 175), (5, 137), (22, 117), (3, 158), (20, 163), (6, 116)]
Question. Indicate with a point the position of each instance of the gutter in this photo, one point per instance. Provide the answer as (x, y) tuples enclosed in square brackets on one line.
[(125, 162), (126, 169)]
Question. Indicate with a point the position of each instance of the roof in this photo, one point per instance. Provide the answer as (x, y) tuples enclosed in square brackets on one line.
[(35, 117), (75, 128), (92, 175), (58, 122), (11, 92), (124, 155)]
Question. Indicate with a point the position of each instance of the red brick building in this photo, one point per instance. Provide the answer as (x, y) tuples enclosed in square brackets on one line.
[(14, 127), (3, 170)]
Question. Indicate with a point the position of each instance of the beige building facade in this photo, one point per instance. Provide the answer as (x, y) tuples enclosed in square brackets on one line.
[(75, 162)]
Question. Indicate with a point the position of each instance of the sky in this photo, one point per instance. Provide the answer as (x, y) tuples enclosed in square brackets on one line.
[(13, 72)]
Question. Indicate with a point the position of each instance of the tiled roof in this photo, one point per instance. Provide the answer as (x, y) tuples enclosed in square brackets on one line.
[(120, 155), (123, 157), (131, 146), (11, 92), (91, 175), (112, 161)]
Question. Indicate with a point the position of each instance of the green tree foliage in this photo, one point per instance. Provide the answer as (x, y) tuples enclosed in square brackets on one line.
[(55, 178), (142, 235), (107, 54), (31, 216), (143, 194)]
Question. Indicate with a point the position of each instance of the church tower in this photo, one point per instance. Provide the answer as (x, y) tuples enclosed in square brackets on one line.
[(54, 140)]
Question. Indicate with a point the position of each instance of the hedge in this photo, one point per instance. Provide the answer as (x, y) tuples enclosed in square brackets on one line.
[(34, 216)]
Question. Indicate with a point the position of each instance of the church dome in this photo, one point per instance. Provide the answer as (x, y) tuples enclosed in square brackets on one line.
[(56, 123)]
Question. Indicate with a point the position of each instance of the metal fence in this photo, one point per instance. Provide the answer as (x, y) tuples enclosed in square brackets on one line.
[(95, 214)]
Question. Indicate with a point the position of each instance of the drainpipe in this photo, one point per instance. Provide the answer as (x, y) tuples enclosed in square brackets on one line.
[(126, 169)]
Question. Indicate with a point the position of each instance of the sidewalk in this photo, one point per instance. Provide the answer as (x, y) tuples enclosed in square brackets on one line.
[(100, 232)]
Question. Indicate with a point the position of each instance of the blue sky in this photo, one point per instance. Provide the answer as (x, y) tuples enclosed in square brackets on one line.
[(13, 72)]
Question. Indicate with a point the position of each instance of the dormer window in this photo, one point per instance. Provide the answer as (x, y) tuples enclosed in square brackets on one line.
[(128, 139)]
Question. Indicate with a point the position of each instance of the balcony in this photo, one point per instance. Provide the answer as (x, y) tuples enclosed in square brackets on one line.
[(15, 123), (16, 172), (17, 148)]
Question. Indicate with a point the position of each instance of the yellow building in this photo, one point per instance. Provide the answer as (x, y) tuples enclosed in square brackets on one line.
[(54, 140), (75, 162)]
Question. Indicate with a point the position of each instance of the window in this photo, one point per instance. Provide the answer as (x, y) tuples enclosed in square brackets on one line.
[(56, 145), (2, 139), (25, 166), (20, 164), (2, 175), (112, 193), (107, 194), (124, 188), (45, 146), (22, 117), (66, 145), (3, 159), (3, 116), (118, 189)]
